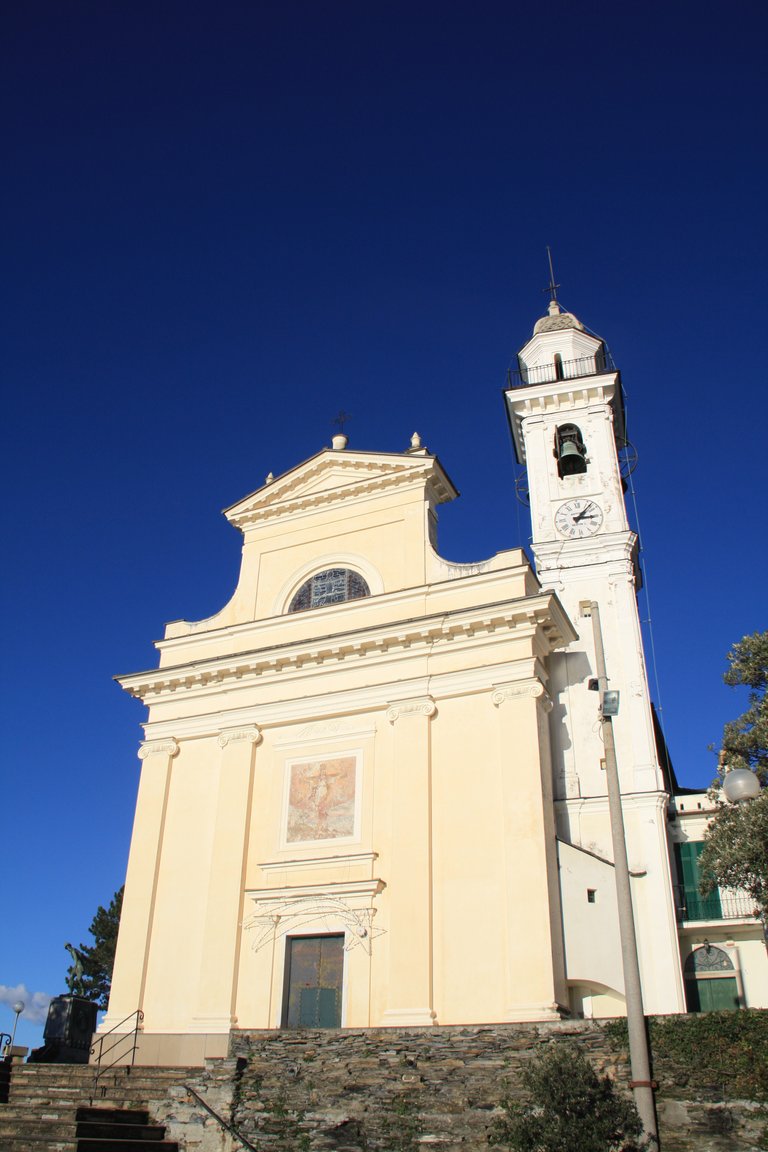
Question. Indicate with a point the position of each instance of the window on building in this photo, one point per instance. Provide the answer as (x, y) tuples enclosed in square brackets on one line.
[(691, 904), (332, 586)]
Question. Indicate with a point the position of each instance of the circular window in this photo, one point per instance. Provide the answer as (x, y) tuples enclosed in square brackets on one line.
[(333, 586)]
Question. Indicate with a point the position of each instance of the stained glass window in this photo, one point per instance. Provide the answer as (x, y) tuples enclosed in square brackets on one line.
[(332, 586)]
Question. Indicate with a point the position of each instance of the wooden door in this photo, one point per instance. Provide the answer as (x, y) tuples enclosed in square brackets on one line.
[(714, 995), (313, 979)]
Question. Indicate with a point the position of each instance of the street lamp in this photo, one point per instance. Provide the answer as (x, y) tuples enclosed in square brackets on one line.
[(739, 784), (18, 1009)]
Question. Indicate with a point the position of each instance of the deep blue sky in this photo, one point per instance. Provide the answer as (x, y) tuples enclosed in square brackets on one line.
[(223, 223)]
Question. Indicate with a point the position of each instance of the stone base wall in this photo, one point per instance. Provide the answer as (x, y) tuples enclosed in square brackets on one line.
[(400, 1089)]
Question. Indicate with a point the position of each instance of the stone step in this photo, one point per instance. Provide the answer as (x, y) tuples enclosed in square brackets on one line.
[(58, 1100), (82, 1073), (85, 1144), (43, 1144), (90, 1115), (59, 1108), (126, 1131), (36, 1127)]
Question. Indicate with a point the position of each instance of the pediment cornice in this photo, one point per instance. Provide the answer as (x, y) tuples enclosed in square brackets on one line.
[(332, 477)]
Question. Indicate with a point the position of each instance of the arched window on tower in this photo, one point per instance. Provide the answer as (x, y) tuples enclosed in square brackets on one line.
[(331, 586), (570, 451), (558, 366)]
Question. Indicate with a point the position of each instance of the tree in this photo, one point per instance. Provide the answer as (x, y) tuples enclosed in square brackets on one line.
[(571, 1109), (92, 977), (735, 853), (745, 740)]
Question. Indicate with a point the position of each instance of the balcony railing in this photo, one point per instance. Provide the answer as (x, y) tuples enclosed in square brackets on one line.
[(561, 370), (719, 906)]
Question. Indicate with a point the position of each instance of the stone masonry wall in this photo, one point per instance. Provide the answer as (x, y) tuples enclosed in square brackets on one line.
[(398, 1090)]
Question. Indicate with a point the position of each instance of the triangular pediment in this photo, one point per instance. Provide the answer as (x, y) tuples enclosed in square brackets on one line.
[(333, 476)]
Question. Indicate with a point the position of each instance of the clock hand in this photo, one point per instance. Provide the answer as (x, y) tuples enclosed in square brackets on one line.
[(587, 514)]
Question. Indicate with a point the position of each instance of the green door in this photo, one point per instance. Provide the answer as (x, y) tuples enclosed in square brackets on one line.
[(313, 978), (716, 995), (696, 906)]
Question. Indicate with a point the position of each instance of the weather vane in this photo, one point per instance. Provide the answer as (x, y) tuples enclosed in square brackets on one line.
[(341, 419), (552, 287)]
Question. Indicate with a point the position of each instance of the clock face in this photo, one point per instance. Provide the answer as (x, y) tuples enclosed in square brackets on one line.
[(578, 518)]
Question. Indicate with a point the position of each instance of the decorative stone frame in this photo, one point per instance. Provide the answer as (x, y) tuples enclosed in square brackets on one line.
[(326, 841), (351, 560)]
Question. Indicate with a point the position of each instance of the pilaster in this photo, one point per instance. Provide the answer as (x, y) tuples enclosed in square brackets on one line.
[(410, 985), (534, 941), (136, 922), (224, 909)]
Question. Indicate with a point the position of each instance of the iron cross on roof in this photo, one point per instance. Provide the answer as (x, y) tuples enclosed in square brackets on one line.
[(552, 287)]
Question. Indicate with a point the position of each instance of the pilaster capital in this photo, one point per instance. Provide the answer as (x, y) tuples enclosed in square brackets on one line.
[(168, 748), (522, 689), (251, 735), (421, 706)]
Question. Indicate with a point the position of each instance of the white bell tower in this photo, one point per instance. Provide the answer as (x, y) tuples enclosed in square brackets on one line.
[(567, 419), (566, 413)]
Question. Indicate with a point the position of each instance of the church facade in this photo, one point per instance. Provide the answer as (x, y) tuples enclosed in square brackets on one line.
[(372, 789)]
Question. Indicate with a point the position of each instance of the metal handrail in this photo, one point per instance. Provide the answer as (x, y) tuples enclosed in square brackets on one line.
[(133, 1036), (229, 1127), (595, 365), (722, 905)]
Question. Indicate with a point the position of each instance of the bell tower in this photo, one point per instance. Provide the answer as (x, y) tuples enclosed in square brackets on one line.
[(566, 414), (567, 419)]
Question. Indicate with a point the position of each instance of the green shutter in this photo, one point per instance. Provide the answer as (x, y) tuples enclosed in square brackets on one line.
[(697, 907)]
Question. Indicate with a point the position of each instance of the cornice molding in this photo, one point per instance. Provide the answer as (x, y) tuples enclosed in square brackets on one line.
[(294, 494), (542, 613), (338, 715), (350, 859), (538, 399), (251, 734), (168, 748), (617, 548), (421, 706)]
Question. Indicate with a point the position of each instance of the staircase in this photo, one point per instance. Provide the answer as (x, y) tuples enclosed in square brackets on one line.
[(119, 1130), (53, 1108)]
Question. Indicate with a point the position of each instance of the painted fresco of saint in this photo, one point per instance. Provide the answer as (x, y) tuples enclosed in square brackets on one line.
[(321, 799)]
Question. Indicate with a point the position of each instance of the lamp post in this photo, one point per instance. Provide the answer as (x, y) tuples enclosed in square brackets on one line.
[(739, 784), (18, 1009), (639, 1056)]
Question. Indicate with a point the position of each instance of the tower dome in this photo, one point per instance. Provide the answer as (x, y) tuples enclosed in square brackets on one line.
[(556, 320)]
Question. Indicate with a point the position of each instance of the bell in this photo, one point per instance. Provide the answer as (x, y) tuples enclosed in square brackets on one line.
[(571, 460)]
